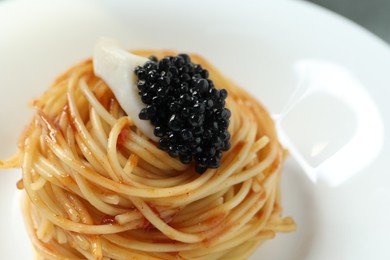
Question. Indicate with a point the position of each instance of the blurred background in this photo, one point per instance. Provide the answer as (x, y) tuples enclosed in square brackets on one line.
[(374, 15)]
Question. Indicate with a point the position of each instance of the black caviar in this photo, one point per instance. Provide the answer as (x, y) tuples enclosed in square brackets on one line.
[(187, 111)]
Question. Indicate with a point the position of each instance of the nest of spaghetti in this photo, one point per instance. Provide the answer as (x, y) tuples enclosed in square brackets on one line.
[(97, 188)]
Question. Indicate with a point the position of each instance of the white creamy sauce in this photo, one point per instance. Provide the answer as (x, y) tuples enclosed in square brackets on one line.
[(115, 66)]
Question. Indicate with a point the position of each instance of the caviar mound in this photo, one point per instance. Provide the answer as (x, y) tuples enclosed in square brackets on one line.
[(186, 109)]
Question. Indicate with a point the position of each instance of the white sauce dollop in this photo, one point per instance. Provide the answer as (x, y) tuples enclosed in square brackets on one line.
[(115, 66)]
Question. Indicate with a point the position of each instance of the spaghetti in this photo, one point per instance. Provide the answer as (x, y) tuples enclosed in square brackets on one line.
[(97, 188)]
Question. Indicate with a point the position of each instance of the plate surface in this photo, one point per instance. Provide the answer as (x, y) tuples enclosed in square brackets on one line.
[(324, 79)]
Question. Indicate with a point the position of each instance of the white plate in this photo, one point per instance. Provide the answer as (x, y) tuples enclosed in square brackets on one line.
[(272, 48)]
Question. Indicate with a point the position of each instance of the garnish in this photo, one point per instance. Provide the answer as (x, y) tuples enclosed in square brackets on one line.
[(184, 111), (187, 111), (114, 65)]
